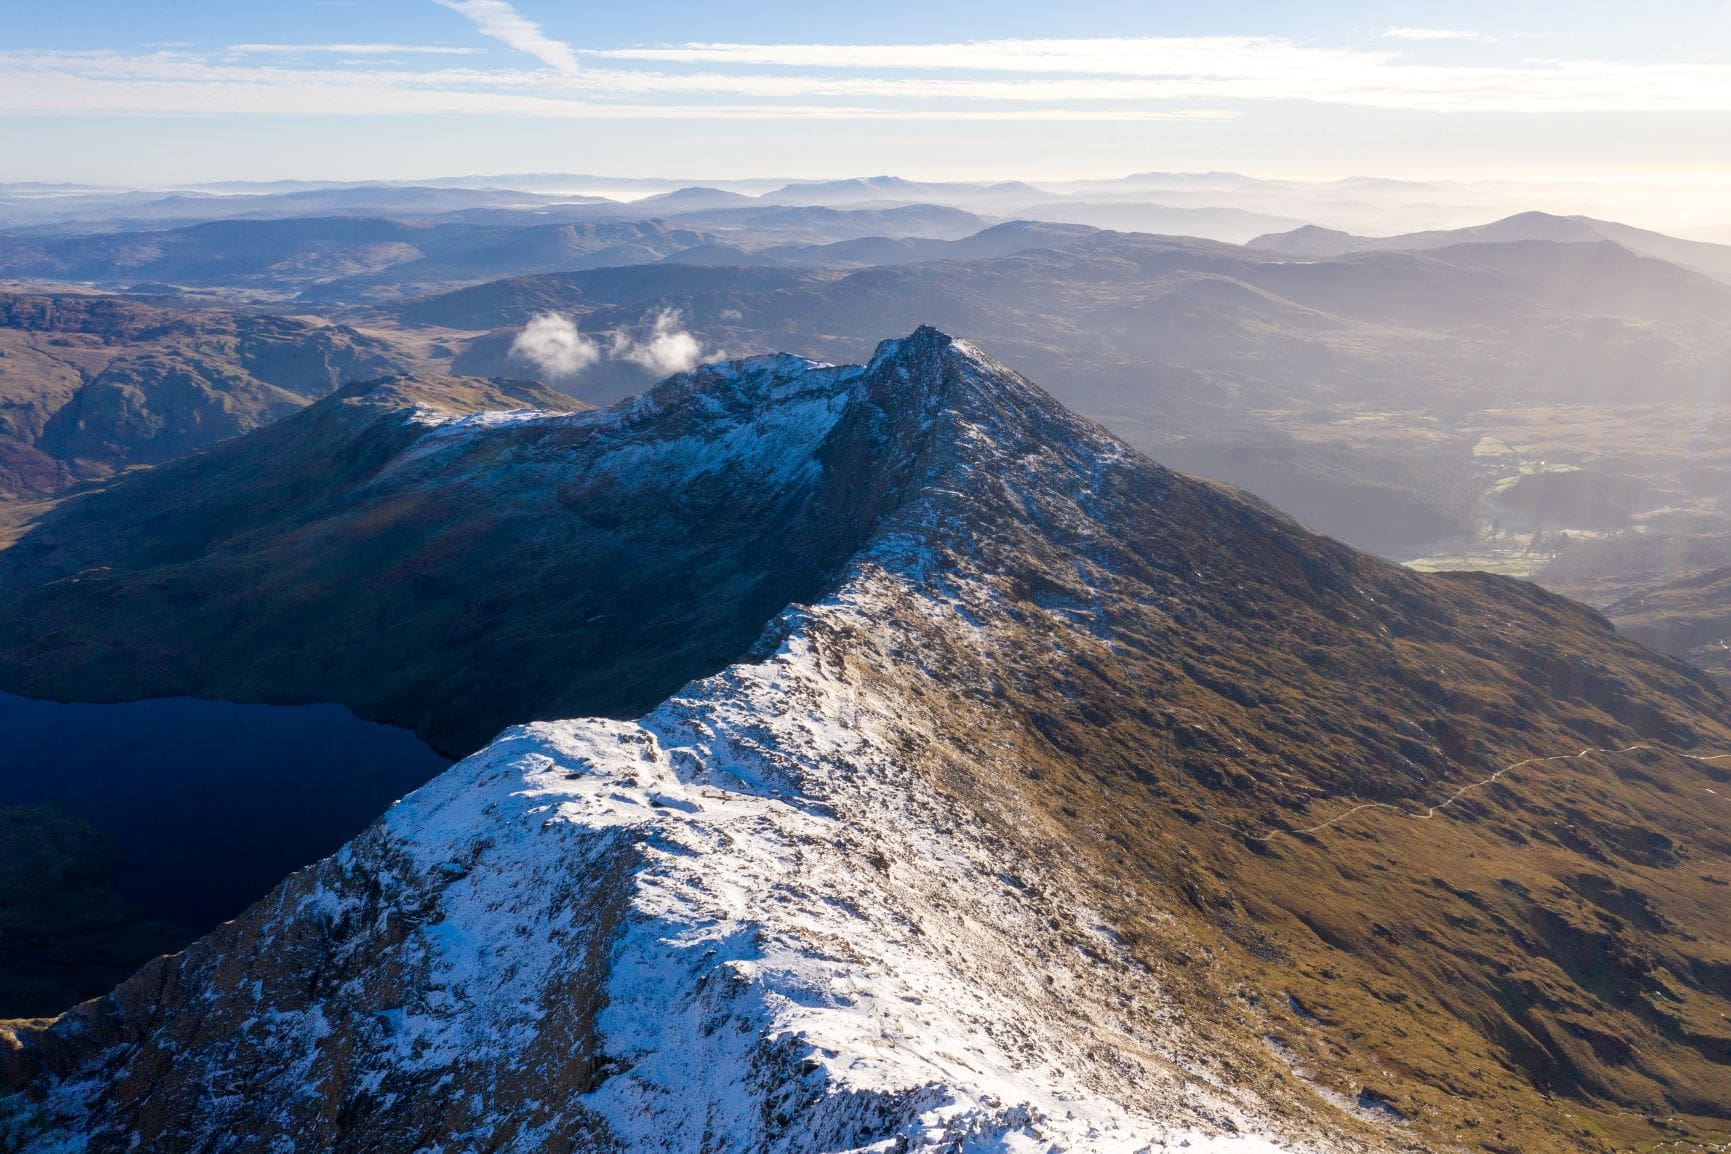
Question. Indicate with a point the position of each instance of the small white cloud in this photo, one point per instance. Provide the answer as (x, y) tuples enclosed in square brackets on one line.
[(504, 23), (1436, 34), (668, 348), (552, 344)]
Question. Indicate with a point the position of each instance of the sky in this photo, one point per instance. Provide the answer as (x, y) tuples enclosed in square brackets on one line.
[(163, 92)]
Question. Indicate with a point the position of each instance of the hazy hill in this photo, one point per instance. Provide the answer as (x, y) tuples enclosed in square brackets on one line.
[(1712, 259), (1213, 222), (1689, 618), (818, 224), (865, 252), (106, 209), (488, 253), (223, 252), (341, 257), (895, 189), (695, 198), (337, 260)]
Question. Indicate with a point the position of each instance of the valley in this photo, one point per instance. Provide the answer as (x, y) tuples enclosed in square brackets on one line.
[(92, 384)]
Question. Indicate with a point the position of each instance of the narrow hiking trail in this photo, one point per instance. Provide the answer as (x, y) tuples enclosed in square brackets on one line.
[(1432, 811)]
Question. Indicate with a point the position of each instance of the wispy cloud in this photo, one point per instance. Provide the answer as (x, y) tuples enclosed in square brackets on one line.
[(1234, 68), (1034, 80), (504, 23), (1117, 56), (181, 83), (351, 50), (1437, 34)]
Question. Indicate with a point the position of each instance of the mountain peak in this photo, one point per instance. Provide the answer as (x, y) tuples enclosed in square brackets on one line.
[(915, 766), (925, 343), (734, 489)]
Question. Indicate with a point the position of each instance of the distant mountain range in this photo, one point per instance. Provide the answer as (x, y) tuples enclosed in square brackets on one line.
[(333, 260), (1249, 363), (1310, 241), (1219, 206)]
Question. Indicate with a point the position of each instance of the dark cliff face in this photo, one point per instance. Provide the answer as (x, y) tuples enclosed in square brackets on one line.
[(1445, 841)]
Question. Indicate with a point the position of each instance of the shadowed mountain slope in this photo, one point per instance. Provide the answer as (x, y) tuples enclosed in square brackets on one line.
[(65, 932), (1081, 802), (544, 567)]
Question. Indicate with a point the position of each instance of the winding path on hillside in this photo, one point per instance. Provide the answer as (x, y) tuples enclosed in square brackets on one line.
[(1431, 811)]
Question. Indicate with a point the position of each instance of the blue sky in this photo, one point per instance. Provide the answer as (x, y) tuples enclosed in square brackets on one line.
[(165, 91)]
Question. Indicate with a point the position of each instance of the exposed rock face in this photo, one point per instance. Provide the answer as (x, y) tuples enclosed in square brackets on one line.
[(1084, 806)]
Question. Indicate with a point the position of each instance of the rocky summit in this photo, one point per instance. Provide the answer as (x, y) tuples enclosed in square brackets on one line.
[(991, 789)]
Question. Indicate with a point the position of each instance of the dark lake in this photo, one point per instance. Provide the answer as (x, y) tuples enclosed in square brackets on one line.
[(210, 803)]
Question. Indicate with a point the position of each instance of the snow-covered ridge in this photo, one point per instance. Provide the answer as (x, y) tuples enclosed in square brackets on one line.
[(766, 413), (799, 947), (746, 921), (763, 413), (801, 941), (760, 381)]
